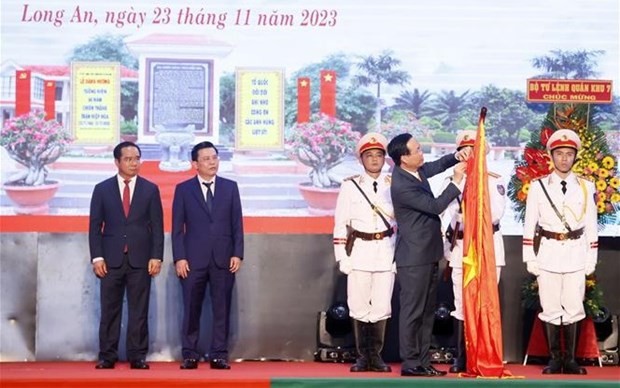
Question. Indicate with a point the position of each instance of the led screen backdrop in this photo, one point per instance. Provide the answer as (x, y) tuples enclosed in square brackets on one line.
[(423, 67)]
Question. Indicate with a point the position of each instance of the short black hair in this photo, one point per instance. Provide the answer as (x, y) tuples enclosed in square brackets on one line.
[(398, 147), (202, 145), (118, 150)]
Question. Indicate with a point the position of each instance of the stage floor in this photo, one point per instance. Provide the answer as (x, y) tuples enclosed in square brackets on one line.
[(270, 374)]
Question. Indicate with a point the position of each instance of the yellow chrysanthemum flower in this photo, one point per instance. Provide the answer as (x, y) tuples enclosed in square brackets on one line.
[(526, 188), (600, 206), (615, 198), (601, 197), (593, 166), (608, 162), (603, 173), (601, 185), (614, 182)]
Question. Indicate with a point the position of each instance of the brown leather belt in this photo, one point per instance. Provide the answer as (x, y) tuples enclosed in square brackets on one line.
[(372, 236), (572, 235), (459, 234)]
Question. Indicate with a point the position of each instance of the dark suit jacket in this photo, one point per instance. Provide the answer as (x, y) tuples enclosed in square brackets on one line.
[(198, 235), (142, 230), (417, 213)]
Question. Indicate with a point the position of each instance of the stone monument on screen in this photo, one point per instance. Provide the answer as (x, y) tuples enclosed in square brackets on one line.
[(179, 93)]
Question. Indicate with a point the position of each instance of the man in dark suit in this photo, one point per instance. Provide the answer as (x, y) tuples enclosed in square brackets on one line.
[(419, 245), (207, 246), (126, 239)]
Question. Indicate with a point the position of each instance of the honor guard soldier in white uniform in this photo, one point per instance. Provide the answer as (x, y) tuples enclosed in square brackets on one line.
[(562, 205), (453, 219), (364, 236)]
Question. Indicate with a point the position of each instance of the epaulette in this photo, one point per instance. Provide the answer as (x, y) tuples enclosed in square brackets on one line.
[(494, 175), (388, 179), (351, 177), (586, 177)]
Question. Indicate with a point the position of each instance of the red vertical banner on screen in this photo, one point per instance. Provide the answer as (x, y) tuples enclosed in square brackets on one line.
[(303, 99), (22, 92), (328, 92), (50, 100)]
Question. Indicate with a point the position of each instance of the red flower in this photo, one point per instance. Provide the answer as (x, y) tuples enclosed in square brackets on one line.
[(545, 134), (524, 173), (538, 161)]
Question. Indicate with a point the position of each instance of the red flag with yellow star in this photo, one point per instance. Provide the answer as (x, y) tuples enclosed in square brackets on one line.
[(328, 93), (483, 325), (50, 100), (303, 99), (22, 92)]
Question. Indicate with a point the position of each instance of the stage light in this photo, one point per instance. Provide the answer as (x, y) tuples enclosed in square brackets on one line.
[(603, 324), (335, 339), (441, 356), (443, 321), (442, 312), (607, 337), (338, 321)]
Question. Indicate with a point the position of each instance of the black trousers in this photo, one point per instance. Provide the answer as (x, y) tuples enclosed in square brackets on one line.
[(221, 282), (137, 283), (418, 297)]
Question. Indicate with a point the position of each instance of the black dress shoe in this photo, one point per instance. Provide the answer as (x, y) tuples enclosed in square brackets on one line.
[(189, 363), (435, 372), (572, 368), (219, 363), (104, 364), (418, 371), (138, 364)]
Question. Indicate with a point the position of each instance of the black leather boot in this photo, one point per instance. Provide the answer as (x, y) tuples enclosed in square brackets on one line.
[(571, 334), (553, 341), (360, 330), (460, 362), (376, 338)]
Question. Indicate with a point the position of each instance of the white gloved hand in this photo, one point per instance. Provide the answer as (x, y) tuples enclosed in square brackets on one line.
[(590, 268), (532, 267), (346, 266), (447, 254)]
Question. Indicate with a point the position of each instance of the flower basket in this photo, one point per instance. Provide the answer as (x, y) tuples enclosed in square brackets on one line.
[(595, 161)]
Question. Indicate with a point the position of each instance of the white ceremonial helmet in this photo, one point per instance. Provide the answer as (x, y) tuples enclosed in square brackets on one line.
[(564, 138), (371, 141), (465, 138)]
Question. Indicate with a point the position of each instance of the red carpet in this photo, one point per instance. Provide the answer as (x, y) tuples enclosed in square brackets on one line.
[(256, 374)]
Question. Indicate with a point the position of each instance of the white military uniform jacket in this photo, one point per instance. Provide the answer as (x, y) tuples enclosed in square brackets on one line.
[(353, 209), (450, 216), (579, 209)]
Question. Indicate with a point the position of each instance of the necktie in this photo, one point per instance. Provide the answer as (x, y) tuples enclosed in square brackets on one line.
[(126, 198), (209, 195), (563, 183), (374, 186)]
